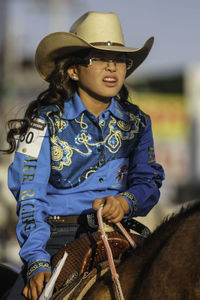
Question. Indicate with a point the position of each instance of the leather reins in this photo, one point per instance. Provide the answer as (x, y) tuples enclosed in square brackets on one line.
[(115, 275)]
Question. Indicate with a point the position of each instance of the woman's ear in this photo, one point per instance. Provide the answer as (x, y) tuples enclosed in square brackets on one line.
[(73, 73)]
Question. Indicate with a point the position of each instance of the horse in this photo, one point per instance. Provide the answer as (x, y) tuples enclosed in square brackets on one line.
[(166, 265)]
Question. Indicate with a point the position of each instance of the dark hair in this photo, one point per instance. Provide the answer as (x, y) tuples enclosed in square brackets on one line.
[(61, 88)]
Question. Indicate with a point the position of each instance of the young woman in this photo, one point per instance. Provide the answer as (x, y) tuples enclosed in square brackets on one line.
[(81, 144)]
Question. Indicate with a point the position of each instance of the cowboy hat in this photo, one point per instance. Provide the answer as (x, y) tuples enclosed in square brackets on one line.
[(93, 30)]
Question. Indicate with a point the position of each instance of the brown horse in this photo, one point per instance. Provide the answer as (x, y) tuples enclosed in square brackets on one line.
[(166, 266)]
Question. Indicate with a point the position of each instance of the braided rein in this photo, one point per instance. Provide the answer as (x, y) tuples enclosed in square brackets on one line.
[(115, 275)]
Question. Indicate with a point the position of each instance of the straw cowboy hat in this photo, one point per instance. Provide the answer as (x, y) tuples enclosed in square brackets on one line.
[(94, 30)]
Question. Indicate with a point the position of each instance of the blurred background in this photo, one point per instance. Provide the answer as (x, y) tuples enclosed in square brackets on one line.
[(166, 86)]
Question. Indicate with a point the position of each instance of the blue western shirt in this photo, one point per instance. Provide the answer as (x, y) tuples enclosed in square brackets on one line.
[(67, 160)]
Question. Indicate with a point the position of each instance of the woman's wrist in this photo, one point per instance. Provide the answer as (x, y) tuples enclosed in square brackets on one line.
[(37, 267)]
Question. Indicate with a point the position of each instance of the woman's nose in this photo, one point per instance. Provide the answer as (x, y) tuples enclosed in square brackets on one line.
[(111, 66)]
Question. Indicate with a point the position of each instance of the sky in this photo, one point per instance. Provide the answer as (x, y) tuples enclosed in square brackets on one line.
[(175, 25)]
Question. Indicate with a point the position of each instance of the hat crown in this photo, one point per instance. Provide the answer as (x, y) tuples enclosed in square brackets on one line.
[(95, 27)]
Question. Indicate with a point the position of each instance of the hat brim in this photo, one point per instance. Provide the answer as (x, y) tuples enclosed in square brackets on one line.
[(60, 44)]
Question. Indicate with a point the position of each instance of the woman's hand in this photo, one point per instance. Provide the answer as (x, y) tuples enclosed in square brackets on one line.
[(36, 284), (114, 208)]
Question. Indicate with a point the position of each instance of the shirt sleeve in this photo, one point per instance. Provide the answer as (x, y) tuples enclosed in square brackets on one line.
[(28, 177), (145, 175)]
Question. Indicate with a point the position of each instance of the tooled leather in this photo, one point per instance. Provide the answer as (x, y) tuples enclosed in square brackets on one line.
[(85, 253)]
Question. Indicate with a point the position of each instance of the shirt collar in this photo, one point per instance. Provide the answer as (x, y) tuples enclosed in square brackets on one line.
[(117, 110), (74, 107)]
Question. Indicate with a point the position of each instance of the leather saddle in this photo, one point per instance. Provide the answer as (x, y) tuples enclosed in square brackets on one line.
[(86, 253)]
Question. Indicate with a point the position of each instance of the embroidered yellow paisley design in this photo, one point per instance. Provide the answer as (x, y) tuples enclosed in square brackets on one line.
[(60, 124), (123, 125), (62, 152), (56, 153)]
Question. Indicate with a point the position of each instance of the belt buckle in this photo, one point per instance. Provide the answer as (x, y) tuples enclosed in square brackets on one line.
[(49, 220), (92, 221)]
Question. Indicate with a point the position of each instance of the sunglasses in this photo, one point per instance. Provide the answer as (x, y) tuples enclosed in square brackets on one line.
[(102, 62)]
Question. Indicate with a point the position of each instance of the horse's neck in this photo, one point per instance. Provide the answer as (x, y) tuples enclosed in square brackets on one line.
[(171, 250), (133, 268)]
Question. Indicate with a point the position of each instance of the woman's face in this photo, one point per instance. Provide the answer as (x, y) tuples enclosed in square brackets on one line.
[(101, 77)]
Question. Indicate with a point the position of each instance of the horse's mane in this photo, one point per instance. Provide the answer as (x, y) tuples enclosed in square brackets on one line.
[(169, 226), (177, 218), (184, 212)]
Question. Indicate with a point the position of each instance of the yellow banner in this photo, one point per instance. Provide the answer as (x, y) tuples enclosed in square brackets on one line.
[(168, 112)]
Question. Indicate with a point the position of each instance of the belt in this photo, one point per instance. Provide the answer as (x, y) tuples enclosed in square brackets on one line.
[(90, 221), (86, 220), (58, 220)]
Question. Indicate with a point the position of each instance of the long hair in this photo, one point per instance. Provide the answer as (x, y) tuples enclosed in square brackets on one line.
[(61, 88)]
